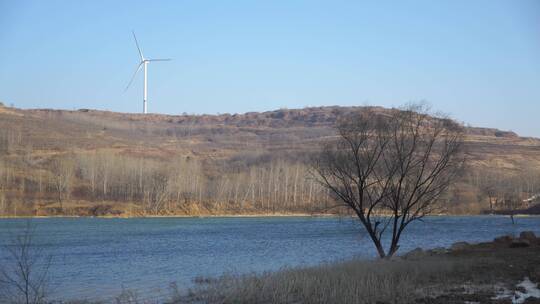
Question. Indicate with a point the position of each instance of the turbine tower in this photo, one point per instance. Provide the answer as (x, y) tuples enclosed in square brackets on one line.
[(144, 63)]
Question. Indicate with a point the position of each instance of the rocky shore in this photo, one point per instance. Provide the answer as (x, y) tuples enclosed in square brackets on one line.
[(525, 239)]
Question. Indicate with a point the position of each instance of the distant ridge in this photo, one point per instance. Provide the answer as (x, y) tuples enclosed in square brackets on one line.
[(281, 118)]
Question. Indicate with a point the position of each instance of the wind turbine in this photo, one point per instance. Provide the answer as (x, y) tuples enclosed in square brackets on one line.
[(144, 62)]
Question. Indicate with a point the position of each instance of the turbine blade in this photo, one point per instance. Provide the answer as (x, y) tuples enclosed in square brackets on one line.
[(133, 77), (138, 48), (166, 59)]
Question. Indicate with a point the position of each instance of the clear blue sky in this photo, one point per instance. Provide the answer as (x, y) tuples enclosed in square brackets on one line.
[(478, 61)]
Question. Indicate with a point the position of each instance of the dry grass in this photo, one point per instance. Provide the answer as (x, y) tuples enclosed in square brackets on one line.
[(347, 282), (470, 275)]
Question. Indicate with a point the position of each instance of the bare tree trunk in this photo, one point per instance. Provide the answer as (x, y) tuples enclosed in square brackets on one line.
[(295, 186), (286, 198)]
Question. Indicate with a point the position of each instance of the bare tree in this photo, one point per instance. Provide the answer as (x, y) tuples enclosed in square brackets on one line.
[(501, 191), (507, 193), (391, 170), (158, 191), (23, 276), (490, 186), (511, 190), (63, 172)]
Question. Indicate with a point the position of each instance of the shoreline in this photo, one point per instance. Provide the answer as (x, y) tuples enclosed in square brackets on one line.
[(268, 215), (177, 216)]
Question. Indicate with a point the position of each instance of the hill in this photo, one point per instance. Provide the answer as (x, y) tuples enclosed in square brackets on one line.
[(90, 162)]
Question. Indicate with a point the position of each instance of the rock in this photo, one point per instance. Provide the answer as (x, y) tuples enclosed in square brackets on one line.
[(503, 239), (519, 243), (535, 274), (459, 246), (414, 254), (528, 235)]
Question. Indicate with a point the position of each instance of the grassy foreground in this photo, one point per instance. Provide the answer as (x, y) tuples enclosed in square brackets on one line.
[(467, 274)]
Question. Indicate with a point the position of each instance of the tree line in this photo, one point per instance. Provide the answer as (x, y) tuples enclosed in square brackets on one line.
[(506, 193), (156, 186)]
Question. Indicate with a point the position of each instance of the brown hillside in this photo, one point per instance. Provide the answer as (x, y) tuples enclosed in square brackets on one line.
[(228, 151)]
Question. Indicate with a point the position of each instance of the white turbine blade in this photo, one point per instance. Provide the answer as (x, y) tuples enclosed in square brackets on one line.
[(166, 59), (138, 48), (134, 74)]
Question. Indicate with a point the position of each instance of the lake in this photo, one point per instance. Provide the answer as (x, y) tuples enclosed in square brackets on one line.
[(94, 258)]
